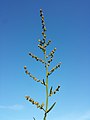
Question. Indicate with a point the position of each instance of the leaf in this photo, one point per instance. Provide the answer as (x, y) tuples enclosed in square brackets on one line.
[(34, 118), (43, 82), (50, 91), (51, 107)]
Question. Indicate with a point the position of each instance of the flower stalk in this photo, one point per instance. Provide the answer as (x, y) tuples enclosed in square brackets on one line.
[(46, 89), (48, 58)]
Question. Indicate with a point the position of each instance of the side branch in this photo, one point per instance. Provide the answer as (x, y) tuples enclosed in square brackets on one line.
[(36, 58), (46, 44), (54, 92), (51, 55), (40, 106), (34, 78), (53, 69)]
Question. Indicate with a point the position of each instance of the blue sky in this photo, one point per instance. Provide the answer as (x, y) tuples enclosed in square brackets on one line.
[(68, 26)]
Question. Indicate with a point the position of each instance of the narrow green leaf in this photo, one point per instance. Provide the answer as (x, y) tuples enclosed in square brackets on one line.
[(50, 91), (34, 118), (51, 107)]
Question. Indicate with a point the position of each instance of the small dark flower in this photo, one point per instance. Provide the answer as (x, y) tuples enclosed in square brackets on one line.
[(42, 105), (26, 72), (54, 92), (39, 40), (25, 67), (42, 20), (30, 53), (43, 23), (40, 10), (27, 97), (41, 14), (44, 36), (44, 39), (38, 106), (30, 99), (42, 17), (42, 33), (44, 29), (42, 26), (36, 103), (54, 49)]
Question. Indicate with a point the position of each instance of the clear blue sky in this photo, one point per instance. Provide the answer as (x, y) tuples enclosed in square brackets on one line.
[(68, 26)]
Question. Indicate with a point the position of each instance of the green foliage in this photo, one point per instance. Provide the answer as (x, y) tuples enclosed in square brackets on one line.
[(43, 45)]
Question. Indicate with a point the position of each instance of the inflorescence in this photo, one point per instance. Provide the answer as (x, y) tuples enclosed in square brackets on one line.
[(47, 60)]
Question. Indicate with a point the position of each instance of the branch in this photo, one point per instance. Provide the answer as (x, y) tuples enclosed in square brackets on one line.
[(34, 78), (54, 92), (34, 118), (42, 48), (51, 54), (40, 106), (45, 45), (51, 108), (36, 58), (43, 26), (53, 69)]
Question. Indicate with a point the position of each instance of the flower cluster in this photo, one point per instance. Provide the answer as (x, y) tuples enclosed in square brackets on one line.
[(45, 45), (51, 55), (43, 24), (54, 92), (42, 47), (34, 78), (46, 61), (52, 52), (35, 103), (42, 44), (36, 58), (53, 69)]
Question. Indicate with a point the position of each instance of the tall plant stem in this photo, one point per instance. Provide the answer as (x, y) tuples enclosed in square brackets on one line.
[(46, 85)]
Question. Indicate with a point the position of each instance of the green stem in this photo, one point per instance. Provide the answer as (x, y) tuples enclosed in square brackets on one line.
[(46, 87)]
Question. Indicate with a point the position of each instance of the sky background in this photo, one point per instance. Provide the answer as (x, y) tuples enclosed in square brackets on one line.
[(68, 26)]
